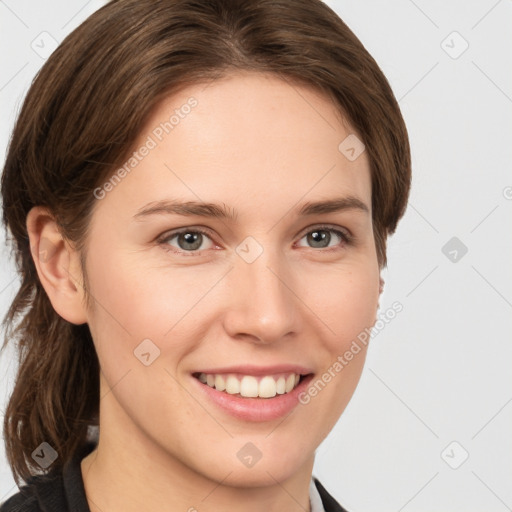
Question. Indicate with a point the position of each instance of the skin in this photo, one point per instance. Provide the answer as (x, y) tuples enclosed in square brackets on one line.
[(263, 147)]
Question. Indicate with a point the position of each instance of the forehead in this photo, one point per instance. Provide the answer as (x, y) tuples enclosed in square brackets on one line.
[(246, 139)]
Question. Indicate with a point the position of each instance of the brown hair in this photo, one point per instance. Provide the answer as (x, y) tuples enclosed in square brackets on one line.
[(79, 122)]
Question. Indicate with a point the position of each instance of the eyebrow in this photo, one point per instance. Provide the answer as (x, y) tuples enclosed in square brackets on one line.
[(200, 209)]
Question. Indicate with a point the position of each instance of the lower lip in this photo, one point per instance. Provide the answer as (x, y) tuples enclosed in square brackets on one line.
[(255, 409)]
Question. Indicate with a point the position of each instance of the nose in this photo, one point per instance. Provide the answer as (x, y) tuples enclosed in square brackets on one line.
[(263, 306)]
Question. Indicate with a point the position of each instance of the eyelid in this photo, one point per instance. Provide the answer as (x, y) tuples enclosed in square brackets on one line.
[(328, 227)]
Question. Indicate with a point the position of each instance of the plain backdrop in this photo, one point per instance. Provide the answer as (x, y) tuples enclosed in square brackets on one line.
[(429, 427)]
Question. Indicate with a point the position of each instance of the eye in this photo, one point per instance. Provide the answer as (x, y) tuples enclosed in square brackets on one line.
[(188, 240), (191, 240), (321, 236)]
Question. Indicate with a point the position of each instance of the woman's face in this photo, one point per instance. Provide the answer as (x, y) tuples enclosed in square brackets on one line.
[(273, 287)]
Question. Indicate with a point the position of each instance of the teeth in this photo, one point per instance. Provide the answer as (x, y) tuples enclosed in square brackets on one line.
[(220, 383), (268, 387), (281, 385), (290, 382), (250, 386), (232, 385)]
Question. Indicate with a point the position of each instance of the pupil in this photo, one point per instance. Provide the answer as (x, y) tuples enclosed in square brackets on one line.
[(320, 236), (191, 238)]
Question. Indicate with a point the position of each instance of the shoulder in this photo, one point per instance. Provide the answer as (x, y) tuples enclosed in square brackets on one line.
[(59, 490), (329, 503), (20, 502), (40, 493)]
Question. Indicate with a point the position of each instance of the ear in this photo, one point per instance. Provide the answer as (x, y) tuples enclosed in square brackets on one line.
[(381, 289), (57, 265)]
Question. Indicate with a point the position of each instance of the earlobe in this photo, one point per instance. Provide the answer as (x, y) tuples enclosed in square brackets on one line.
[(57, 265)]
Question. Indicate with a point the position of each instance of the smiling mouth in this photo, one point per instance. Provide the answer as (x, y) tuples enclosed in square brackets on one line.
[(252, 386)]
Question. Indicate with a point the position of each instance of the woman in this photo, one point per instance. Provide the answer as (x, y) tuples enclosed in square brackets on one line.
[(199, 196)]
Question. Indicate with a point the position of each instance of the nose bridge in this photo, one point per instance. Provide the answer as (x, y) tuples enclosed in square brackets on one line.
[(263, 304)]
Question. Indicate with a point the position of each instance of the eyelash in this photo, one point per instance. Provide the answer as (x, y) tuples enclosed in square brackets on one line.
[(347, 239)]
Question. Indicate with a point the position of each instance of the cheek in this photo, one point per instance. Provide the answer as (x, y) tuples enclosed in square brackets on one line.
[(345, 302), (135, 303), (142, 301)]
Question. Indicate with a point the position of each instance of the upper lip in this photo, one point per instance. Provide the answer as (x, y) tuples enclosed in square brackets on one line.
[(259, 370)]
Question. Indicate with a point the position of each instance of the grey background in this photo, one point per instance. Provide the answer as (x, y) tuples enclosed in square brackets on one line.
[(437, 385)]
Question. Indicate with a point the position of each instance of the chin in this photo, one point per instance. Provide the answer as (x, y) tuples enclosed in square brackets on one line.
[(277, 463)]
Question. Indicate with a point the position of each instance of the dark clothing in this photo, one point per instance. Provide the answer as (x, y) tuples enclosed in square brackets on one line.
[(64, 491)]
